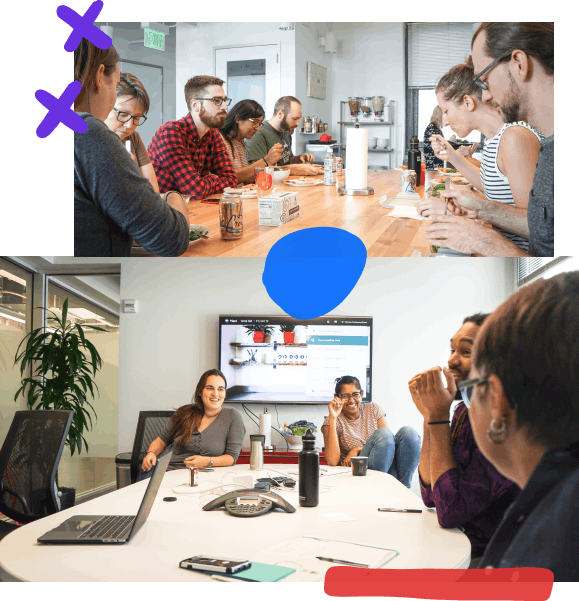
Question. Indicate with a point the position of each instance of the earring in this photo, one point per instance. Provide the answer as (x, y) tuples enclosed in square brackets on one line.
[(497, 435)]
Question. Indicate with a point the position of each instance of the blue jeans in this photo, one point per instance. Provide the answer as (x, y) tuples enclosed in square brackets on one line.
[(144, 475), (396, 455)]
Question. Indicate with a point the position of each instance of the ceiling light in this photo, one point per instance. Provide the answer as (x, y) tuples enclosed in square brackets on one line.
[(286, 26)]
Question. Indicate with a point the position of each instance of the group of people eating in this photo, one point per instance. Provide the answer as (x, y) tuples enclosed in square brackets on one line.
[(141, 198), (503, 466), (505, 90)]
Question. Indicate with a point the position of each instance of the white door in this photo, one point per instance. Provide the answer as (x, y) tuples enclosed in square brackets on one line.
[(152, 79), (250, 72)]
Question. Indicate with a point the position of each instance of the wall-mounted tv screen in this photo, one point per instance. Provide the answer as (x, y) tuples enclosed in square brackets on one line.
[(278, 359)]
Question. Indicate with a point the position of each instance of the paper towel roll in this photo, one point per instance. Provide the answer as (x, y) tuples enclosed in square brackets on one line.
[(357, 153), (265, 427)]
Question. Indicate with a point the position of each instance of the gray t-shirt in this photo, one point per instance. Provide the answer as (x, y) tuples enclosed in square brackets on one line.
[(114, 204), (223, 436), (264, 139), (540, 212)]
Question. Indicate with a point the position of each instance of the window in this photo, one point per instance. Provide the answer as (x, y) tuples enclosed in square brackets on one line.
[(530, 269)]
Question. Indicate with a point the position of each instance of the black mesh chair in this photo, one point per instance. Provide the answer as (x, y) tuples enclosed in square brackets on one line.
[(29, 459), (149, 427)]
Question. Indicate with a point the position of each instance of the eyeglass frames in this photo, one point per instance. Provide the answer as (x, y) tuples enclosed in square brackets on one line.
[(124, 117), (467, 386), (217, 100), (346, 397), (255, 124), (481, 84)]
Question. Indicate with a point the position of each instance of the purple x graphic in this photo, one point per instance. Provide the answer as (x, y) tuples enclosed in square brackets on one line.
[(84, 27), (59, 111)]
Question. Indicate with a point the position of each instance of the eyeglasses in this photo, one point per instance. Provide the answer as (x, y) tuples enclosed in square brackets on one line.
[(124, 117), (217, 100), (346, 397), (256, 124), (481, 84), (467, 386)]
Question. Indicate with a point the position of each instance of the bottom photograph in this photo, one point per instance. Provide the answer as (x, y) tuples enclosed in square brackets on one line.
[(149, 407)]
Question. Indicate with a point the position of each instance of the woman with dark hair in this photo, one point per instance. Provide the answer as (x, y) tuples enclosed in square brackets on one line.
[(356, 429), (510, 151), (202, 433), (241, 123), (129, 112), (523, 397), (113, 203), (433, 128)]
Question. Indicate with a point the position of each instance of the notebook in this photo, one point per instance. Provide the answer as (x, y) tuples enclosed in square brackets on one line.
[(260, 572)]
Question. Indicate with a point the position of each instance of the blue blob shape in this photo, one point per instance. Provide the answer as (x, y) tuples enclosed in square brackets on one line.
[(308, 273)]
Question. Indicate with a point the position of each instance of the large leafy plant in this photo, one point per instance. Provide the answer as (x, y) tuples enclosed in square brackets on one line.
[(63, 363)]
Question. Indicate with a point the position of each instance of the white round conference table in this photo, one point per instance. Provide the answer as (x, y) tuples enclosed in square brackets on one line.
[(177, 530)]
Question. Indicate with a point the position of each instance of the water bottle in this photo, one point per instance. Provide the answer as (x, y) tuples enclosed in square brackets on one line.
[(309, 464), (256, 453), (329, 168), (414, 159)]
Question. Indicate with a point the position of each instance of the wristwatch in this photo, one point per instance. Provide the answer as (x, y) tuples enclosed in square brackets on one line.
[(210, 462)]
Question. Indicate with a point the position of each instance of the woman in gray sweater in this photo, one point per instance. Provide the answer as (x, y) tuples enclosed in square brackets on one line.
[(202, 433)]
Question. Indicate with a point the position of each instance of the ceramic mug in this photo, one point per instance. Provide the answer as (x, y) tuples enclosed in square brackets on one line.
[(372, 142), (382, 143)]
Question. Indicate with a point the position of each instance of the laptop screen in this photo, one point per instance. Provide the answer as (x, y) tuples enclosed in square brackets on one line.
[(150, 494)]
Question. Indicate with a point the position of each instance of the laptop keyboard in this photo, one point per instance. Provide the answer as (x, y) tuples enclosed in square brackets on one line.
[(109, 526)]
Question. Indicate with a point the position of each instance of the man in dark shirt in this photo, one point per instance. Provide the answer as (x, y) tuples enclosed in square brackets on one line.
[(278, 130), (189, 155), (515, 66)]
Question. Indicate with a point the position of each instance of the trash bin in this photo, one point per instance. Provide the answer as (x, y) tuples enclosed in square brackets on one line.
[(123, 463)]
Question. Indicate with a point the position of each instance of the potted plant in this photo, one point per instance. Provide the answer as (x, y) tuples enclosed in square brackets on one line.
[(62, 364), (260, 333), (288, 333)]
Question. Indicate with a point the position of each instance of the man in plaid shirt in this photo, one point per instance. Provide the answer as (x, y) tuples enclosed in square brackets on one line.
[(189, 155)]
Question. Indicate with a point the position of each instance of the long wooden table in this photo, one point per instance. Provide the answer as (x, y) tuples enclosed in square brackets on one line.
[(383, 236)]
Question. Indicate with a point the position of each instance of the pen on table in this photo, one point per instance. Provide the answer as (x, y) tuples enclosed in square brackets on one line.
[(400, 510), (343, 562)]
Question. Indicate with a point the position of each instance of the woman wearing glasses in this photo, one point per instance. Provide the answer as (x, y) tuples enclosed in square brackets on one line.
[(465, 488), (129, 112), (241, 123), (353, 429), (510, 153)]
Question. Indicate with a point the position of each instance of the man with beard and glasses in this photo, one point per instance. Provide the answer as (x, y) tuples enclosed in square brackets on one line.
[(515, 67), (278, 130), (189, 154), (467, 491)]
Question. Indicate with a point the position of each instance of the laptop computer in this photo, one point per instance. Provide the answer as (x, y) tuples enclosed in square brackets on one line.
[(108, 529)]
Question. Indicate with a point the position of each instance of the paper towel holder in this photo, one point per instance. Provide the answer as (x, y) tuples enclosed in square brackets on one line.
[(343, 191)]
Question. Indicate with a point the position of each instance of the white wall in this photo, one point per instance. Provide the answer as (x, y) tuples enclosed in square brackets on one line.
[(417, 306), (196, 43), (370, 62)]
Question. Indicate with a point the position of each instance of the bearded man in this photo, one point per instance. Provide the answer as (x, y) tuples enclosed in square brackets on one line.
[(278, 130), (189, 154)]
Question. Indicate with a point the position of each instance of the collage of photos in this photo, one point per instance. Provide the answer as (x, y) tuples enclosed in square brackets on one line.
[(249, 323)]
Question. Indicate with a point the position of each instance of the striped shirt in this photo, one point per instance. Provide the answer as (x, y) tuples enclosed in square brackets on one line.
[(356, 432), (237, 151), (495, 184)]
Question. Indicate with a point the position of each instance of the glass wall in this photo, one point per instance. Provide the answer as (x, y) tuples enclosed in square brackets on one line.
[(15, 322), (96, 468)]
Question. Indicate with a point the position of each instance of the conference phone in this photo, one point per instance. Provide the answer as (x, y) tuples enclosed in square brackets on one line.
[(248, 503)]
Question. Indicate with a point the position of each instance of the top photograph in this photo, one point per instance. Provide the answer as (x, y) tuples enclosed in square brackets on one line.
[(219, 139)]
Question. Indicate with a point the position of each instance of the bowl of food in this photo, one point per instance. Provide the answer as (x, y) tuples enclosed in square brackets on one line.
[(294, 432), (280, 174), (197, 232)]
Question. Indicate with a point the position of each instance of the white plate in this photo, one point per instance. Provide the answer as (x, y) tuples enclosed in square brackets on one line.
[(314, 182), (196, 227), (139, 250)]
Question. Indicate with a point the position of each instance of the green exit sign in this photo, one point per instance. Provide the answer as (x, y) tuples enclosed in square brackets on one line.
[(154, 39)]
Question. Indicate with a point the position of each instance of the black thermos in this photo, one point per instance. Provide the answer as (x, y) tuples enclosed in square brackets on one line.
[(309, 463), (414, 159)]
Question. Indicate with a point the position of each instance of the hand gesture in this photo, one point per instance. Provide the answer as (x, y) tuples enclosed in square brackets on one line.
[(465, 199), (149, 461), (274, 154), (353, 453), (304, 169), (413, 387), (335, 406), (307, 158), (196, 461), (435, 206), (442, 149), (458, 233), (434, 397)]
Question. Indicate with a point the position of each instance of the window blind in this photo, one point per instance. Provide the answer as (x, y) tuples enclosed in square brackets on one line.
[(433, 48), (529, 268)]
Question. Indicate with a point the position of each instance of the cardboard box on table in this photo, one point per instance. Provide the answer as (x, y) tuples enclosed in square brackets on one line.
[(278, 208)]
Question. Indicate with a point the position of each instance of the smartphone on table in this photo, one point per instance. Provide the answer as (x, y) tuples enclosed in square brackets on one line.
[(214, 564)]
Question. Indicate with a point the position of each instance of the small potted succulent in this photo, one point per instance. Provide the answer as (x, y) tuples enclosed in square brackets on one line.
[(260, 333), (288, 333)]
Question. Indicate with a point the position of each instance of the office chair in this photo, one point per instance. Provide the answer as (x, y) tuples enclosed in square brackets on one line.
[(29, 460), (149, 427)]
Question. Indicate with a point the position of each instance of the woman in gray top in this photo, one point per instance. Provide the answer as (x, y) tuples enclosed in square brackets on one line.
[(201, 434)]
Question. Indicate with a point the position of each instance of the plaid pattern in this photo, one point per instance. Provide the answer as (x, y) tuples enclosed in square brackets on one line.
[(189, 164)]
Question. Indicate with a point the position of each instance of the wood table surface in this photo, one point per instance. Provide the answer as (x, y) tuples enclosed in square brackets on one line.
[(383, 236)]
